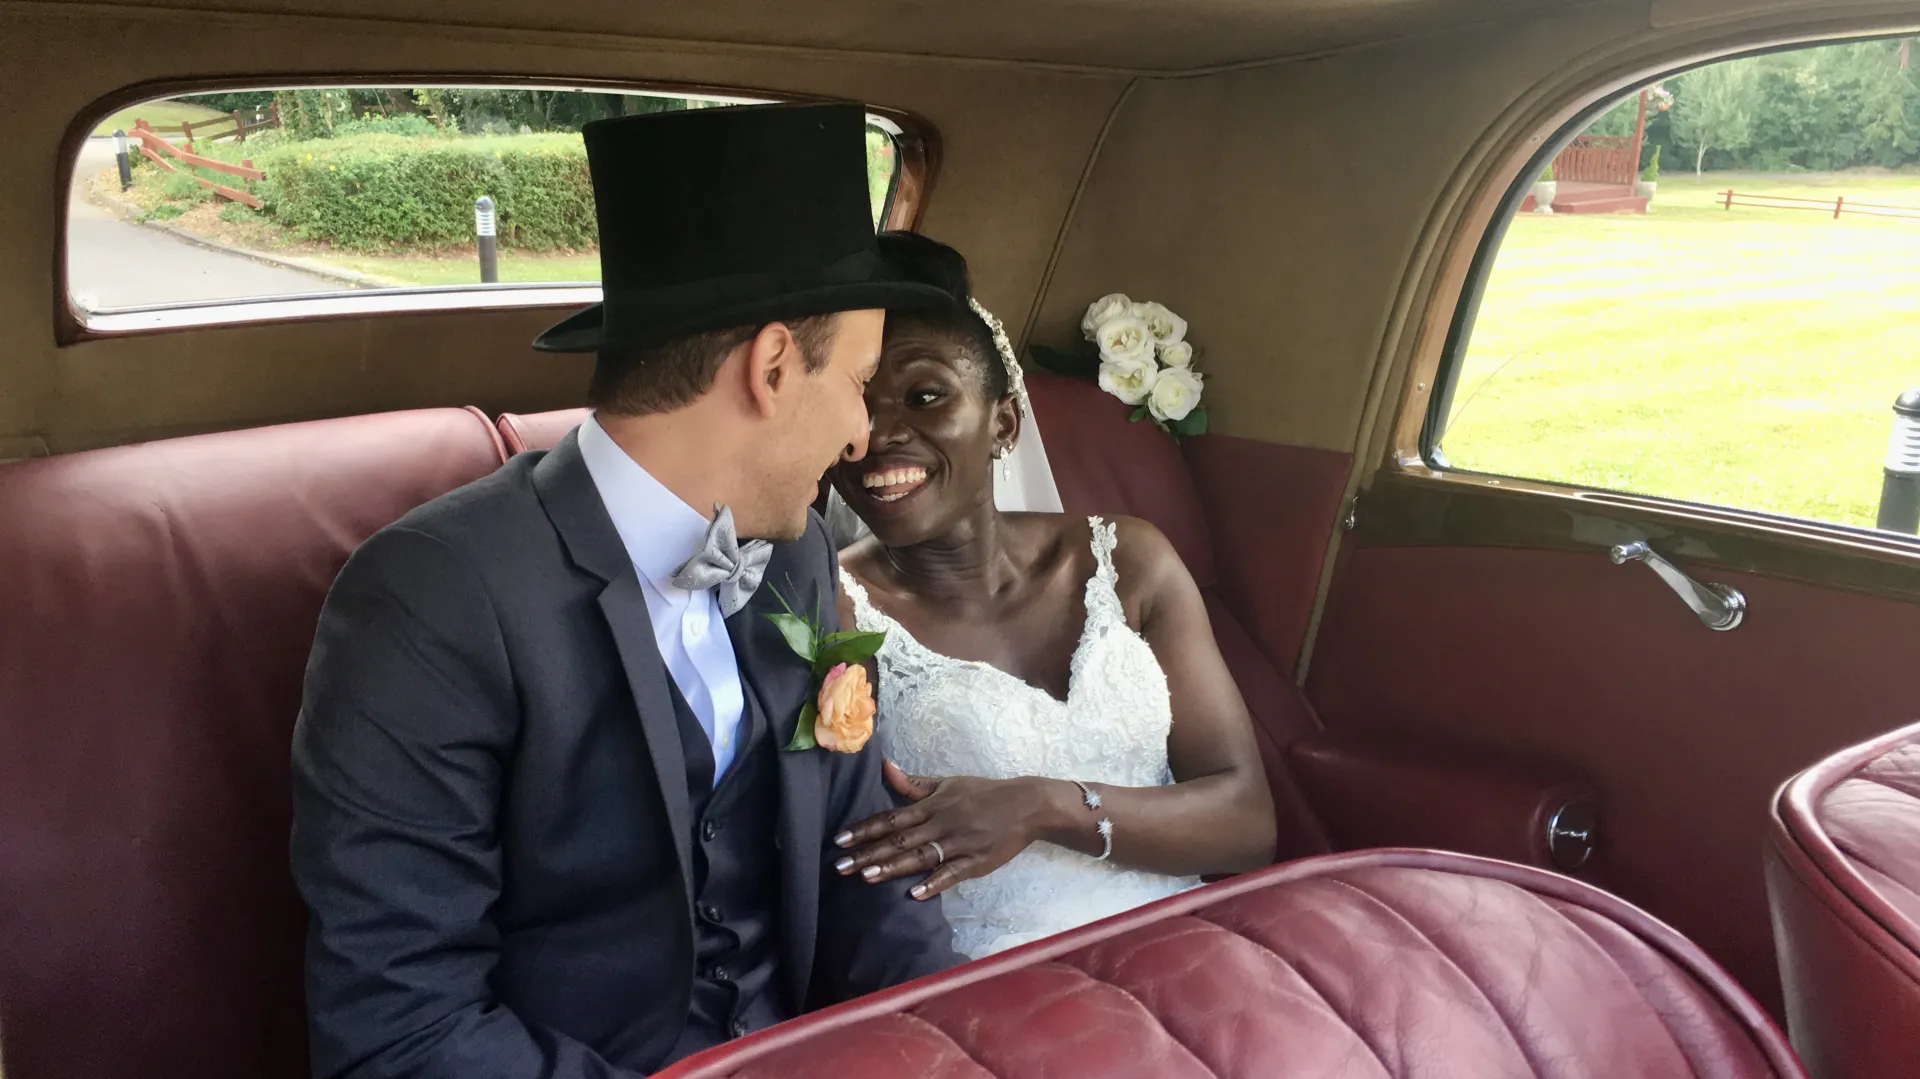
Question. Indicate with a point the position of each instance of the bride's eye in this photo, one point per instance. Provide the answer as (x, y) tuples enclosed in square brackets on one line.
[(923, 398)]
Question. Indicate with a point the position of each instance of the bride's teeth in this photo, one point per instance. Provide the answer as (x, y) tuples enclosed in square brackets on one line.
[(893, 478)]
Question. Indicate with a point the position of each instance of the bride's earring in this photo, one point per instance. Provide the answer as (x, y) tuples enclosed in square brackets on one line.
[(1006, 467)]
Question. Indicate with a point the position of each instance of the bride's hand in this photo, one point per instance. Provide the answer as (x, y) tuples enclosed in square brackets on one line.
[(977, 824)]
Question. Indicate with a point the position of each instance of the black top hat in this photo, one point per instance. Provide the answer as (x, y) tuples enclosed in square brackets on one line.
[(713, 218)]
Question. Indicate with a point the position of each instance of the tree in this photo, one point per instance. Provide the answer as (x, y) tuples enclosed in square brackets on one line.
[(1714, 109)]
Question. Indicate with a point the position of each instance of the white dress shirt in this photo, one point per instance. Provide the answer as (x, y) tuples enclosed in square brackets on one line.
[(660, 533)]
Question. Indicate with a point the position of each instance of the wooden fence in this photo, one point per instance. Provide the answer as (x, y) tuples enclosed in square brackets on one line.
[(236, 125), (1598, 159), (158, 150), (1835, 206)]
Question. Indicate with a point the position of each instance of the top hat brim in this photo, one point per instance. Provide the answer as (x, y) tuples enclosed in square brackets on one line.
[(587, 331)]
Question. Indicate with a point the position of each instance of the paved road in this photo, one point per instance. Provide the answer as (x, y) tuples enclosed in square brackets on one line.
[(113, 263)]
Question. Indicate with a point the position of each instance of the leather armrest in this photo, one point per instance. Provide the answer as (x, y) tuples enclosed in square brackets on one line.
[(1371, 792)]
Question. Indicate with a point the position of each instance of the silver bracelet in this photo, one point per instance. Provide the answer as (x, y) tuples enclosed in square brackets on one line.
[(1105, 827)]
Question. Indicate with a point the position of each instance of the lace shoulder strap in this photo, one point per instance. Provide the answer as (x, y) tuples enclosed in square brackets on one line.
[(866, 617), (1103, 588)]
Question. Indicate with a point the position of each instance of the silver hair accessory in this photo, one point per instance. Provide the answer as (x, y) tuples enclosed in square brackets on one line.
[(1016, 380)]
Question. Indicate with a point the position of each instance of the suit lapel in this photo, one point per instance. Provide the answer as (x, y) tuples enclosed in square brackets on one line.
[(770, 672), (625, 608), (574, 506)]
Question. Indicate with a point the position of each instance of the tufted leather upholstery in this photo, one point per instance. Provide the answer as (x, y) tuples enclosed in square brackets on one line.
[(1402, 964), (1843, 873), (159, 602), (521, 432)]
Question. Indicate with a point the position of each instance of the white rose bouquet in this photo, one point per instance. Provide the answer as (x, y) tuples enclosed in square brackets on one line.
[(1138, 352)]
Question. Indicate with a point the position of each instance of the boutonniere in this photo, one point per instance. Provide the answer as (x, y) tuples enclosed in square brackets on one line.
[(838, 715)]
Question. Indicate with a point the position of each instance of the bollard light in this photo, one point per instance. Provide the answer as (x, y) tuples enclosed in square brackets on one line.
[(120, 158), (483, 229), (1900, 491)]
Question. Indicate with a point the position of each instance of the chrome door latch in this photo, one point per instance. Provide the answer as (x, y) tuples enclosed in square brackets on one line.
[(1719, 606)]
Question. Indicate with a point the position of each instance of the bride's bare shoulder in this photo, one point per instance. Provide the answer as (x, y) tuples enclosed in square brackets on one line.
[(1146, 562)]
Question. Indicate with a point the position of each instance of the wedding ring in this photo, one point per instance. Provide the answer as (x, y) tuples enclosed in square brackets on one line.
[(939, 856)]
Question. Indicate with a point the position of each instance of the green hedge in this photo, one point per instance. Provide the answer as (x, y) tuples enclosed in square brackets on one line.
[(378, 193)]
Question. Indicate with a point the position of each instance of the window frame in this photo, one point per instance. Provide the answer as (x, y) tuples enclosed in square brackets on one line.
[(916, 155), (1428, 461)]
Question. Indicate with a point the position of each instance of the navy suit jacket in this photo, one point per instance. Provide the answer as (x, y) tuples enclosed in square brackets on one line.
[(492, 831)]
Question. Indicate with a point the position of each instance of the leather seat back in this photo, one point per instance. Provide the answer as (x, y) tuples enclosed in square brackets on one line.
[(523, 431), (160, 602), (1843, 873), (1384, 965)]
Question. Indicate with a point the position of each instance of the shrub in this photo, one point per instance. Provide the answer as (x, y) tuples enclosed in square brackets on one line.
[(1547, 176), (236, 212), (407, 124), (1651, 173), (179, 186), (381, 192)]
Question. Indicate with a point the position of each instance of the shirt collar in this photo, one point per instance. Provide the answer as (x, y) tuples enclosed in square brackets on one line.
[(659, 530)]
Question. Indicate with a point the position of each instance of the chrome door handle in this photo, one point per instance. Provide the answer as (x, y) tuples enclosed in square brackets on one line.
[(1719, 606)]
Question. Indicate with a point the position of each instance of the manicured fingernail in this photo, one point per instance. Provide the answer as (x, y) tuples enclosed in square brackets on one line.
[(844, 839), (843, 864), (870, 872), (918, 891)]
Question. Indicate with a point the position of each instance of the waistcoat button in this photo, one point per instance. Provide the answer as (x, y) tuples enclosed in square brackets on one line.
[(709, 830)]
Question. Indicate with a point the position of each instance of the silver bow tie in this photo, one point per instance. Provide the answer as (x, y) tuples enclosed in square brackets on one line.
[(723, 562)]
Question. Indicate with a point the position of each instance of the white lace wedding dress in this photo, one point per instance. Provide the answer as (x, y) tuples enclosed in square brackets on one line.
[(943, 716)]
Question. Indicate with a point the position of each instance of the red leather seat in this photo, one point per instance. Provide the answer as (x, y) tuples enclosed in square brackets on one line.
[(539, 430), (1843, 874), (1399, 964), (159, 604)]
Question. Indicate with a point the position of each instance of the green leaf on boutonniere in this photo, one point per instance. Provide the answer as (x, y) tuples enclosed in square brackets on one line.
[(1192, 424), (1138, 414), (803, 729), (1079, 363), (799, 634), (847, 648)]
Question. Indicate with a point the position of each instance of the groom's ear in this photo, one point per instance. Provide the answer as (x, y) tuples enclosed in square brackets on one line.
[(773, 362)]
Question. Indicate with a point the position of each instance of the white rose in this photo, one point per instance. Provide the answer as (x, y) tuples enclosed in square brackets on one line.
[(1104, 309), (1177, 354), (1124, 338), (1130, 380), (1174, 394), (1166, 327)]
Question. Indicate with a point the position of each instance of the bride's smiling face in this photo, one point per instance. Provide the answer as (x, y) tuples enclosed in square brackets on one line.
[(929, 462)]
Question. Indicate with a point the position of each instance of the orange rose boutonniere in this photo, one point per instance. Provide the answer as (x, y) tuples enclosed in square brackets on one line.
[(839, 715)]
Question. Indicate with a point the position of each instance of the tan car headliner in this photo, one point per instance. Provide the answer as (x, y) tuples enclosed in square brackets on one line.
[(1131, 35)]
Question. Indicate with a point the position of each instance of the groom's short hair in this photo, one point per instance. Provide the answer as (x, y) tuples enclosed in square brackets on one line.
[(662, 377)]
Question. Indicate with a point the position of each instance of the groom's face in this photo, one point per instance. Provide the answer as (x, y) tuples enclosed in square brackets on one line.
[(824, 420)]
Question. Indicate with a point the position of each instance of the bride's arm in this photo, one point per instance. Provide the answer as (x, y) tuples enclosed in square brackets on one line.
[(1216, 817)]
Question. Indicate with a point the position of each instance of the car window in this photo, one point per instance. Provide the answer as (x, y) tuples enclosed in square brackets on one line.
[(221, 198), (1710, 294)]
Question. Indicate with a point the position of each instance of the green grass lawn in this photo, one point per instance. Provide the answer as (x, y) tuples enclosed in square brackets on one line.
[(1745, 357), (464, 269), (157, 114)]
